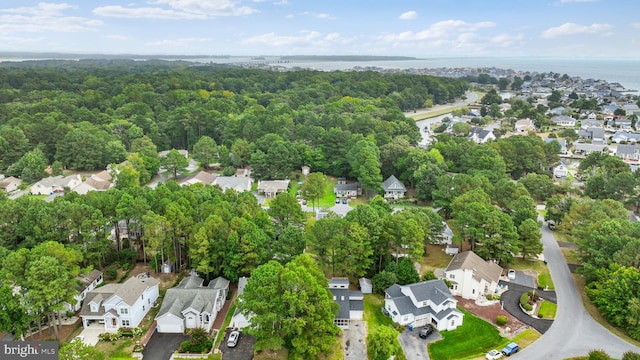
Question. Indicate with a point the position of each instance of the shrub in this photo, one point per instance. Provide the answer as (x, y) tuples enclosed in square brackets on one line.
[(501, 320), (524, 302), (630, 355), (429, 275), (111, 273), (598, 355)]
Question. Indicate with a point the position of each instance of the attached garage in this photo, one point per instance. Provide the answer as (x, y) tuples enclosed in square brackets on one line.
[(170, 324)]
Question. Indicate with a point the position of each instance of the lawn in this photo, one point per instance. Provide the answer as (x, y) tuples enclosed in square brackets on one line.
[(547, 310), (544, 277), (434, 113), (473, 338), (545, 282), (526, 338), (435, 258), (373, 315)]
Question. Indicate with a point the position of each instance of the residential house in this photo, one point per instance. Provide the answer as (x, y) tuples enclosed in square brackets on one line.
[(86, 283), (347, 190), (563, 120), (586, 149), (595, 135), (92, 184), (55, 184), (192, 305), (622, 122), (471, 276), (563, 144), (556, 111), (164, 153), (273, 187), (240, 320), (201, 177), (480, 135), (446, 237), (631, 109), (585, 124), (622, 136), (393, 188), (628, 152), (113, 306), (419, 304), (525, 126), (560, 171), (351, 302), (236, 183), (10, 184)]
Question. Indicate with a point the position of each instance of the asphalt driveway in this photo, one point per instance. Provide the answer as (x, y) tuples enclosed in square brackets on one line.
[(162, 345), (354, 341), (413, 346), (511, 303), (242, 351)]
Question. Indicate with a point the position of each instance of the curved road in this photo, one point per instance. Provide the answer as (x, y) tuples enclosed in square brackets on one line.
[(574, 332)]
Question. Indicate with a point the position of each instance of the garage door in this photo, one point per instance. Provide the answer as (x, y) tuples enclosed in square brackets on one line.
[(419, 323), (170, 328)]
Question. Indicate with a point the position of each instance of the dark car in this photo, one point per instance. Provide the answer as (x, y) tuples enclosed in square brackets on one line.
[(426, 331), (552, 226), (344, 201)]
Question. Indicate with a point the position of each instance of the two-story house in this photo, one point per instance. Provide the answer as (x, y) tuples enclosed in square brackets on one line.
[(471, 276), (351, 302), (393, 188), (119, 305), (427, 302), (86, 283), (192, 305)]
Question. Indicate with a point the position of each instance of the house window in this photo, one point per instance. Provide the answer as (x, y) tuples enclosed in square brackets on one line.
[(142, 307), (452, 276), (473, 291), (126, 323), (148, 301), (124, 311), (206, 318), (142, 296)]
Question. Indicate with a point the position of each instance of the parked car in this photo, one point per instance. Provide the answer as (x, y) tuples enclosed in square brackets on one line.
[(510, 349), (551, 226), (233, 339), (337, 200), (426, 331), (493, 355), (345, 201), (511, 274), (304, 201)]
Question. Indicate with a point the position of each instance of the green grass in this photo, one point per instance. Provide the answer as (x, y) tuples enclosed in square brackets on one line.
[(434, 113), (210, 357), (545, 282), (373, 315), (227, 321), (547, 310), (526, 338), (435, 258), (472, 339), (329, 197)]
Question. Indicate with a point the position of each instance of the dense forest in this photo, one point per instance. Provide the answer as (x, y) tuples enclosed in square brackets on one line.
[(88, 114)]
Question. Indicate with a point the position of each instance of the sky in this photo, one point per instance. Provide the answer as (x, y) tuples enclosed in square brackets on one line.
[(418, 28)]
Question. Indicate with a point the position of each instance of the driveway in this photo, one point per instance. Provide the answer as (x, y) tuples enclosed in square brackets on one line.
[(242, 351), (413, 346), (162, 345), (354, 341), (511, 303), (574, 332), (523, 279)]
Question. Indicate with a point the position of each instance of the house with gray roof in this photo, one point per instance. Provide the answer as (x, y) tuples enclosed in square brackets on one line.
[(623, 136), (10, 184), (236, 183), (351, 302), (628, 152), (393, 188), (419, 304), (586, 149), (346, 189), (191, 304), (113, 306), (563, 120), (85, 283), (240, 320), (589, 123), (55, 184), (480, 135), (595, 135), (471, 276)]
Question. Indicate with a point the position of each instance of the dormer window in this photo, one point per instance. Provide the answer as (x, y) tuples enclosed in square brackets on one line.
[(124, 311)]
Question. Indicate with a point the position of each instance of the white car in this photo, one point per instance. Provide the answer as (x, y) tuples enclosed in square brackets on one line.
[(493, 355), (511, 274), (79, 338), (233, 339)]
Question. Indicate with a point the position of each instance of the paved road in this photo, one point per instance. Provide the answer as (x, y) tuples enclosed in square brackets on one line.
[(511, 303), (162, 345), (574, 332)]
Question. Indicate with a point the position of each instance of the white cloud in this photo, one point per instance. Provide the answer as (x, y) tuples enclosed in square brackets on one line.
[(636, 25), (117, 37), (177, 42), (305, 39), (576, 29), (409, 15), (318, 15), (177, 9), (44, 17), (441, 30)]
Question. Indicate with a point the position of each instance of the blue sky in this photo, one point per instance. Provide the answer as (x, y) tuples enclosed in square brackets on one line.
[(420, 28)]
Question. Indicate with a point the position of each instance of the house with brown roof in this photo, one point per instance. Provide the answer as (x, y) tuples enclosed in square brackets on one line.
[(92, 184), (201, 177), (10, 184), (113, 306), (471, 276), (272, 188)]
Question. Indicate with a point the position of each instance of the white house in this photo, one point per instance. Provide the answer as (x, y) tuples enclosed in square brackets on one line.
[(192, 305), (525, 126), (563, 120), (92, 184), (351, 302), (119, 305), (348, 190), (55, 184), (480, 135), (471, 276), (446, 237), (10, 184), (427, 302), (86, 283), (393, 188), (560, 171), (239, 320), (365, 285)]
